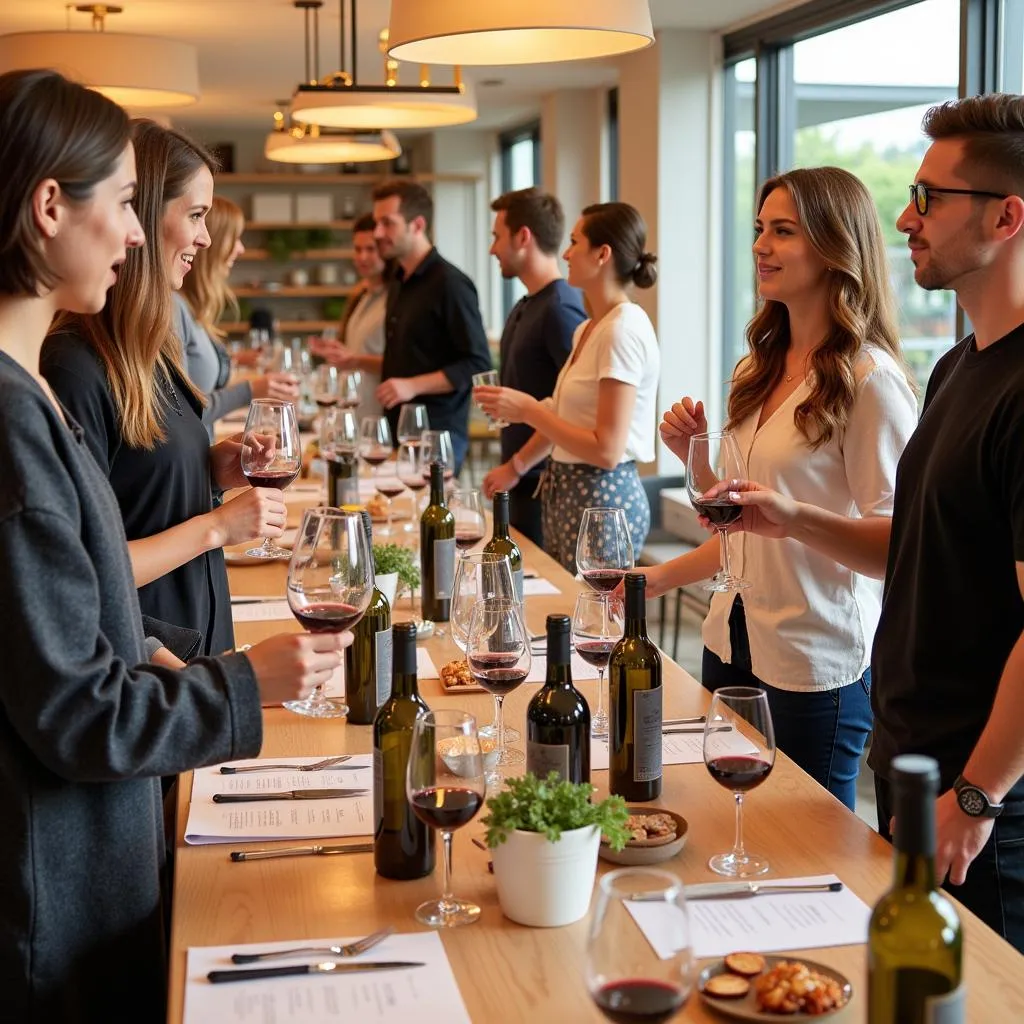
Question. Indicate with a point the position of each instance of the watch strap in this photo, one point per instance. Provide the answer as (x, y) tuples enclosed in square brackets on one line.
[(991, 808)]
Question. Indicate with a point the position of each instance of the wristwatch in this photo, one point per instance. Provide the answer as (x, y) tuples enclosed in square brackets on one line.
[(974, 801)]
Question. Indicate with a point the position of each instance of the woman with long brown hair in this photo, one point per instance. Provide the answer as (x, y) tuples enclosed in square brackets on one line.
[(821, 407)]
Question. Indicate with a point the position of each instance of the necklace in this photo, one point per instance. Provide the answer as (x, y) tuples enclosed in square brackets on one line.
[(167, 385)]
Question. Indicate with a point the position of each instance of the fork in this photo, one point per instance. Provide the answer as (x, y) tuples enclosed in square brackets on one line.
[(351, 949), (327, 762)]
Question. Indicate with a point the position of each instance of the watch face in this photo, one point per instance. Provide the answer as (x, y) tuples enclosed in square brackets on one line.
[(971, 801)]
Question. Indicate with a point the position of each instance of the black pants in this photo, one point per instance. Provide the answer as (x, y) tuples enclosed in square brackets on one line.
[(524, 510)]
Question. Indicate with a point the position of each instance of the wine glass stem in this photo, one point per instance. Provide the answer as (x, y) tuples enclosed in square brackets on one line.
[(738, 851), (267, 545), (499, 721), (600, 690), (447, 902), (723, 538)]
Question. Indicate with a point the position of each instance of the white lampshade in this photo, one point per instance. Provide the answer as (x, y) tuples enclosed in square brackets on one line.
[(135, 71), (349, 148), (519, 32), (379, 106)]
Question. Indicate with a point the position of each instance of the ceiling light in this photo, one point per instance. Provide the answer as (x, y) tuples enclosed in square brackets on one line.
[(313, 146), (524, 32), (135, 71)]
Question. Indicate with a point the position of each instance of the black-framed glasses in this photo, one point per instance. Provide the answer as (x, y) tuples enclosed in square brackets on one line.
[(919, 193)]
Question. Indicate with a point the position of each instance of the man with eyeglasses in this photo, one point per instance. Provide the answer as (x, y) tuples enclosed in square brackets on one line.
[(948, 658)]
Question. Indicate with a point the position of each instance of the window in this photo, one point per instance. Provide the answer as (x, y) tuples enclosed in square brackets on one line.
[(1011, 46), (520, 168)]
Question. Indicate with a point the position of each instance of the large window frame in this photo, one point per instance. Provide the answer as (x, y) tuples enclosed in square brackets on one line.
[(507, 141)]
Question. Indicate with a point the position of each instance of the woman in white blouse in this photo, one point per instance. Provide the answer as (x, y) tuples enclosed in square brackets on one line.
[(822, 407), (600, 420)]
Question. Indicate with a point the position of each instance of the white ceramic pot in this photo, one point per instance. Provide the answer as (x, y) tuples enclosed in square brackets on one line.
[(387, 583), (544, 884)]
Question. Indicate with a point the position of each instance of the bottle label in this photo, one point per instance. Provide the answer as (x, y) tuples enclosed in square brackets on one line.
[(542, 758), (647, 735), (382, 649), (518, 581), (444, 568), (950, 1008)]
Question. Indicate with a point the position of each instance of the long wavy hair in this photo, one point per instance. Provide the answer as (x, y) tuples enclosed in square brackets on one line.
[(134, 334), (206, 285), (841, 223)]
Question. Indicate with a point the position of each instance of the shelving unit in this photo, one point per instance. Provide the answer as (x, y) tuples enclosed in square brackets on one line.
[(298, 225), (309, 291), (287, 326), (261, 255)]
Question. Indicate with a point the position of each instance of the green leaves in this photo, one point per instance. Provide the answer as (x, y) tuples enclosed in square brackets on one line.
[(553, 806), (392, 558)]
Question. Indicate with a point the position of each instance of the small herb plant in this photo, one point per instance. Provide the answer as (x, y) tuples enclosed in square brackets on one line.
[(553, 806), (392, 558)]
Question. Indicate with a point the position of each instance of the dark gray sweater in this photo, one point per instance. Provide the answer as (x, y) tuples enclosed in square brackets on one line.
[(84, 732)]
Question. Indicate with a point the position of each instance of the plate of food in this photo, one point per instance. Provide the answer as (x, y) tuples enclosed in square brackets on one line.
[(658, 835), (456, 678), (752, 987), (377, 506)]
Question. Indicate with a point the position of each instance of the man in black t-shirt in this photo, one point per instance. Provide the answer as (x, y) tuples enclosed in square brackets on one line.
[(528, 229)]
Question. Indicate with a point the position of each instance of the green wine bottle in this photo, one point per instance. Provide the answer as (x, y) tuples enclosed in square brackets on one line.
[(635, 703), (342, 478), (368, 657), (915, 945), (437, 551), (502, 544), (403, 847)]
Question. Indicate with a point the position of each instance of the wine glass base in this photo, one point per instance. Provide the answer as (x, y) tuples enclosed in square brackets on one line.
[(274, 551), (512, 735), (721, 584), (599, 726), (747, 866), (325, 707), (451, 915), (509, 756)]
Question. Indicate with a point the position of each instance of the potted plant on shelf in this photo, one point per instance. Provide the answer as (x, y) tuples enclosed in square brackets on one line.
[(395, 569), (544, 835)]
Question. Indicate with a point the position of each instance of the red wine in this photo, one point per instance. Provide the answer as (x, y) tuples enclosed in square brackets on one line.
[(446, 807), (326, 403), (327, 616), (636, 1001), (272, 478), (720, 511), (739, 773), (595, 652), (390, 490), (376, 456), (349, 403), (414, 483), (467, 538), (447, 474), (604, 580), (497, 671)]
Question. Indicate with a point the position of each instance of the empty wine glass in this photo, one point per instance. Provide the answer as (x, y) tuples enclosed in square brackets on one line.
[(715, 457), (628, 978), (467, 505), (271, 455), (489, 379), (412, 423), (436, 446), (326, 386), (604, 550), (739, 752), (349, 383), (330, 583), (595, 632), (445, 785)]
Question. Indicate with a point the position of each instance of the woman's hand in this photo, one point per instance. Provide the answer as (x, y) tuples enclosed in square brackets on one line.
[(226, 463), (505, 403), (679, 424), (333, 351), (501, 478), (256, 512), (656, 582), (290, 665), (280, 386), (765, 512)]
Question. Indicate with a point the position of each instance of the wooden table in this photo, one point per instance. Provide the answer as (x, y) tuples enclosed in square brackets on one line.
[(508, 973)]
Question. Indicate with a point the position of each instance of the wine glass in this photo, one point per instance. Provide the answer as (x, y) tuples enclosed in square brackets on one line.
[(715, 457), (628, 978), (445, 786), (391, 486), (326, 386), (339, 443), (330, 583), (489, 379), (604, 550), (271, 455), (436, 446), (467, 505), (409, 467), (375, 446), (348, 389), (412, 423), (739, 751), (595, 632)]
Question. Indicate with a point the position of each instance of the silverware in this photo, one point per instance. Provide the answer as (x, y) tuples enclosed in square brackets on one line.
[(685, 721), (327, 967), (301, 851), (257, 600), (327, 762), (724, 890), (288, 794), (349, 949), (677, 730)]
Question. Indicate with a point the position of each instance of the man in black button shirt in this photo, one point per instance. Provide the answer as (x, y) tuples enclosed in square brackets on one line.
[(434, 337), (528, 229)]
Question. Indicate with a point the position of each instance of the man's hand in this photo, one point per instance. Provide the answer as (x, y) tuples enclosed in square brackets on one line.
[(396, 390), (959, 838), (333, 351)]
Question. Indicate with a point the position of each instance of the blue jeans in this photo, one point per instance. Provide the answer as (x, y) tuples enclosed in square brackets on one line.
[(823, 732)]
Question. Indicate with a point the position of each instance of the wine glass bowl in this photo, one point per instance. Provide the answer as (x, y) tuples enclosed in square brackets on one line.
[(349, 384), (595, 632), (467, 505), (412, 423), (326, 386), (490, 379), (436, 446), (604, 549)]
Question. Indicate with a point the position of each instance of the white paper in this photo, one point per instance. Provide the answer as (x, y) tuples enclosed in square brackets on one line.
[(281, 819), (427, 994), (261, 611), (580, 669), (538, 587), (425, 667), (762, 924), (682, 748)]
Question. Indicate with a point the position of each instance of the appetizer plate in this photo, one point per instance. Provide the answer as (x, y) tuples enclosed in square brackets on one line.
[(648, 851)]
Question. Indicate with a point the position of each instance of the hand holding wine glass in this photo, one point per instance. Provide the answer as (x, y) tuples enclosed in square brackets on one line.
[(604, 550), (595, 632)]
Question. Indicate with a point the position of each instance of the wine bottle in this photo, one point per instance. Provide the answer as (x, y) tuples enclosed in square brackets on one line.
[(915, 945), (342, 478), (558, 718), (368, 657), (502, 544), (403, 847), (437, 551), (635, 699)]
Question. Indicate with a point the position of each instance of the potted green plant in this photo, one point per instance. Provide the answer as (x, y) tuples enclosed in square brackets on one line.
[(544, 835), (395, 569)]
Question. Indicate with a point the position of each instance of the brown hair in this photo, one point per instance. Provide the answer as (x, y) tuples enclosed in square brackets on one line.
[(134, 334), (364, 223), (539, 211), (49, 128), (622, 229), (205, 287), (840, 221), (413, 199), (992, 130)]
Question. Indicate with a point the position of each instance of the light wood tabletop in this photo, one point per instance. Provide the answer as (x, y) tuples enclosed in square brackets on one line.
[(508, 973)]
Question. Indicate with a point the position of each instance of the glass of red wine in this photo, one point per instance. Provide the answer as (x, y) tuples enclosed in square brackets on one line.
[(409, 468), (629, 980), (330, 582), (436, 446), (445, 786), (326, 386), (715, 457), (604, 550), (271, 455), (595, 632), (739, 752), (375, 447), (467, 505)]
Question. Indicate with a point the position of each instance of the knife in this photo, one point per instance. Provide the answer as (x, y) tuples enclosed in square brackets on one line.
[(727, 890), (257, 600), (325, 967), (300, 851), (288, 794)]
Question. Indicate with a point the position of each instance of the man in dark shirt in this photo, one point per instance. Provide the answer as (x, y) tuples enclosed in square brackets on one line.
[(434, 338), (528, 230)]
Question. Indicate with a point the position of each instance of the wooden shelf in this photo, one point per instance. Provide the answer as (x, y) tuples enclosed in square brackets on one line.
[(275, 225), (285, 326), (308, 254), (309, 291), (265, 178)]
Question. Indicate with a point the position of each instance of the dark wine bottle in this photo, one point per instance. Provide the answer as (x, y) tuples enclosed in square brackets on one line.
[(437, 551), (558, 718), (502, 544), (635, 699), (368, 657), (342, 479), (403, 847), (915, 945)]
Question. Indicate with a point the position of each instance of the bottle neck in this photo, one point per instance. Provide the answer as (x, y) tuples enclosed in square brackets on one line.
[(636, 613), (501, 518), (559, 670), (915, 841), (437, 489), (404, 682)]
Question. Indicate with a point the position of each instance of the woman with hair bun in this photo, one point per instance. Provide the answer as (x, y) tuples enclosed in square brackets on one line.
[(600, 420)]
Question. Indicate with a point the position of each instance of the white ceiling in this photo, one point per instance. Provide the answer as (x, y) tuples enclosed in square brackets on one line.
[(251, 52)]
